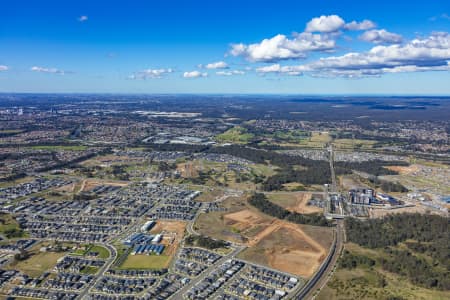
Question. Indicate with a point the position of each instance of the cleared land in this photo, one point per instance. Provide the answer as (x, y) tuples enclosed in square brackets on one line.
[(287, 247), (108, 159), (173, 233), (238, 224), (143, 261), (90, 184), (294, 202), (421, 209), (210, 194), (432, 178), (37, 263), (238, 135), (296, 249)]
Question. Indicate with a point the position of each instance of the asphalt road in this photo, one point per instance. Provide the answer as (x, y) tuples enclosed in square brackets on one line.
[(109, 262), (319, 280), (231, 255)]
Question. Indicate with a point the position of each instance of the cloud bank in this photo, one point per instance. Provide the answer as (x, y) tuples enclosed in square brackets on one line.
[(421, 54)]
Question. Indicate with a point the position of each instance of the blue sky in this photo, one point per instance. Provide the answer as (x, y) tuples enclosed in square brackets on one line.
[(298, 47)]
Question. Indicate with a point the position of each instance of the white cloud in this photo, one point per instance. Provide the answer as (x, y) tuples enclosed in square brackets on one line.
[(334, 23), (281, 47), (330, 23), (230, 73), (150, 73), (4, 68), (49, 70), (364, 25), (194, 74), (381, 36), (320, 34), (277, 68), (419, 55), (83, 18), (217, 65)]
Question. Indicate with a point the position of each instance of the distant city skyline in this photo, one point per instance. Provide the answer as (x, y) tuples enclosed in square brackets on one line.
[(238, 47)]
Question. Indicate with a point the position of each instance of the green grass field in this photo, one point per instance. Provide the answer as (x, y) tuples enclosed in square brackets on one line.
[(37, 263), (9, 227), (236, 134), (143, 261), (102, 251), (89, 270)]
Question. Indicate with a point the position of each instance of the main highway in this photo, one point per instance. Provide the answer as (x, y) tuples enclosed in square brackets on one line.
[(320, 278)]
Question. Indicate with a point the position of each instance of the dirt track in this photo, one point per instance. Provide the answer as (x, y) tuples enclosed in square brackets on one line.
[(302, 204)]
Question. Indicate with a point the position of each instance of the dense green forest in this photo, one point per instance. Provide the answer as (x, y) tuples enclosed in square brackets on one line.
[(425, 260), (261, 202), (351, 261)]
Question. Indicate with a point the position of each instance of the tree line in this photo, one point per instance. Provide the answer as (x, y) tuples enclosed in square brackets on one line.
[(261, 202)]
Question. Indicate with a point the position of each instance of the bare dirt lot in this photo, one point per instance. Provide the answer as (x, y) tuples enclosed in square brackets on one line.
[(108, 159), (244, 219), (173, 232), (421, 209), (287, 247), (90, 184), (404, 170), (294, 201), (218, 225), (292, 248)]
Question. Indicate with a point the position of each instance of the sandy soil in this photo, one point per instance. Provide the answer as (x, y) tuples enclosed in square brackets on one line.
[(301, 205), (173, 232), (302, 258), (244, 219), (404, 170), (187, 170), (67, 188), (275, 225), (380, 213), (288, 248)]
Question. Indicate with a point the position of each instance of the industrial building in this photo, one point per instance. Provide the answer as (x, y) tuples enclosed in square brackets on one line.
[(148, 225), (361, 196)]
